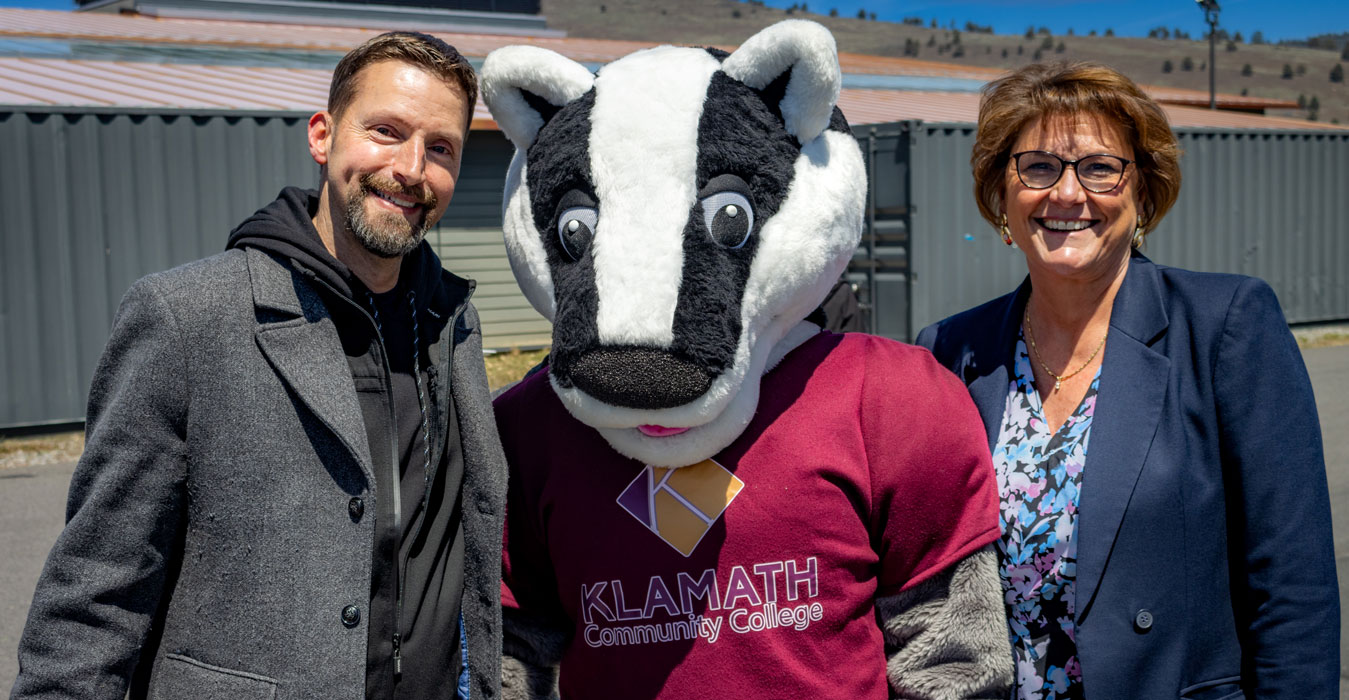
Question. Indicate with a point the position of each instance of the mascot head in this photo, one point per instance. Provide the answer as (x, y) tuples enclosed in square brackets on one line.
[(676, 216)]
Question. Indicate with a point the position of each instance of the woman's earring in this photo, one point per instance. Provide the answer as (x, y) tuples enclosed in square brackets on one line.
[(1006, 232), (1138, 233)]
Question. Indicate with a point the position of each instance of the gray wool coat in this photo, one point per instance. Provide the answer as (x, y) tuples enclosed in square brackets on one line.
[(209, 550)]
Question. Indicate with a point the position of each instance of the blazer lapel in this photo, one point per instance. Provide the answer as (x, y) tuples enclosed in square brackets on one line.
[(1130, 395), (303, 347), (988, 389)]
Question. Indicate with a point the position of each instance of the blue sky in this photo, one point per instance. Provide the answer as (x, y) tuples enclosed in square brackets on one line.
[(1286, 19)]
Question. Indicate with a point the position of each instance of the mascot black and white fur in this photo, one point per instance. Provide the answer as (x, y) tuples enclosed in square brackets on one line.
[(709, 496)]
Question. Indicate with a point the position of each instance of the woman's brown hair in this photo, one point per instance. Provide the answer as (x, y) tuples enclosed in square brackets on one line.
[(1013, 102)]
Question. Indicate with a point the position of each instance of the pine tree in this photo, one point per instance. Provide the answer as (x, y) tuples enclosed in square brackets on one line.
[(1337, 73), (1287, 72), (1166, 66), (1246, 70)]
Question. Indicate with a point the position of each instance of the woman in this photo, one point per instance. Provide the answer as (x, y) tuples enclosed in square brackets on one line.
[(1166, 522)]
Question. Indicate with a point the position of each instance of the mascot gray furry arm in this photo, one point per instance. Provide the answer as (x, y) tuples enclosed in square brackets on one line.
[(676, 216)]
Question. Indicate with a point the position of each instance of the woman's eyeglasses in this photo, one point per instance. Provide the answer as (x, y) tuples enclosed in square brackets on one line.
[(1097, 173)]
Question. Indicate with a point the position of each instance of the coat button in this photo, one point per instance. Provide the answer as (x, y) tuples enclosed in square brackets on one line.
[(351, 616), (356, 507), (1143, 620)]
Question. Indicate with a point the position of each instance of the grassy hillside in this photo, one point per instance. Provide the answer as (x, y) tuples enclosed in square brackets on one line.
[(730, 22)]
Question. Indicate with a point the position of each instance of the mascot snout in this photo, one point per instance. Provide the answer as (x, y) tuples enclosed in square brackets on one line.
[(643, 378)]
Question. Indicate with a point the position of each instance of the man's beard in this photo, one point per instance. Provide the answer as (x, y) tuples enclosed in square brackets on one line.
[(387, 234)]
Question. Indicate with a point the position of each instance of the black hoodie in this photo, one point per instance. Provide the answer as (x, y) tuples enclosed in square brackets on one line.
[(417, 575)]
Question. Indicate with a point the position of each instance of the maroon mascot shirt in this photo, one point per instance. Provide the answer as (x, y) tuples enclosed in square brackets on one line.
[(753, 574)]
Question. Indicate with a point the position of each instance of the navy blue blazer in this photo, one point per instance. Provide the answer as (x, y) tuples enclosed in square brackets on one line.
[(1204, 499)]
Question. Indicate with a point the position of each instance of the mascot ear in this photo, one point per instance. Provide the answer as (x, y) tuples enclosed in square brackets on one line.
[(524, 86), (804, 53)]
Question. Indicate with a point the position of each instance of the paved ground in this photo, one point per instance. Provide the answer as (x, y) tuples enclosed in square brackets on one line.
[(34, 508), (1329, 368), (34, 501)]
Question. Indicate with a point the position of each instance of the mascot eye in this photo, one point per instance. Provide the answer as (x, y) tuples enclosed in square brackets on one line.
[(729, 218), (575, 227)]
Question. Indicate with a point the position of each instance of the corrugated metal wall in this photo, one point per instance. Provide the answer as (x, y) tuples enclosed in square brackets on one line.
[(1274, 205), (91, 202), (880, 269), (1268, 204)]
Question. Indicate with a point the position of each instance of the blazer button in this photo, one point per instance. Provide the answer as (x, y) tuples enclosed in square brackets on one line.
[(1143, 620), (351, 616), (356, 507)]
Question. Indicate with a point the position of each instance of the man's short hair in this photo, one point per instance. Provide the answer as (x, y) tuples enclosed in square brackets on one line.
[(421, 50)]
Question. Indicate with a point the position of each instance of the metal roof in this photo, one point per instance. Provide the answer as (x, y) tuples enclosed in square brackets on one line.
[(120, 85), (880, 106)]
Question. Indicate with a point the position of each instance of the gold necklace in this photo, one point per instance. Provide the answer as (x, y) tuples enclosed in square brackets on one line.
[(1058, 380)]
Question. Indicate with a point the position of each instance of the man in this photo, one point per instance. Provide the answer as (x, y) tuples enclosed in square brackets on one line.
[(292, 485)]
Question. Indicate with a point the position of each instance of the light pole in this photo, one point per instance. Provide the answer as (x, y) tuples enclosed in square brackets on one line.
[(1210, 8)]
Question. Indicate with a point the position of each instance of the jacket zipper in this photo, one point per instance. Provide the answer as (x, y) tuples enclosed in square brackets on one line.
[(426, 492)]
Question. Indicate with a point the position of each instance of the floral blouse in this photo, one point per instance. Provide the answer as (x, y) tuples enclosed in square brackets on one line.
[(1039, 477)]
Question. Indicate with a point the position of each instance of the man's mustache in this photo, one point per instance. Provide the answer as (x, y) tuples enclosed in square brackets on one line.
[(420, 195)]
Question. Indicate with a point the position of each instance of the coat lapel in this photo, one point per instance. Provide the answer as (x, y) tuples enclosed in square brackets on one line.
[(298, 337), (1130, 396)]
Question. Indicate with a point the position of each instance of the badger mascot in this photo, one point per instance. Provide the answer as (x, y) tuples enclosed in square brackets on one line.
[(710, 497)]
